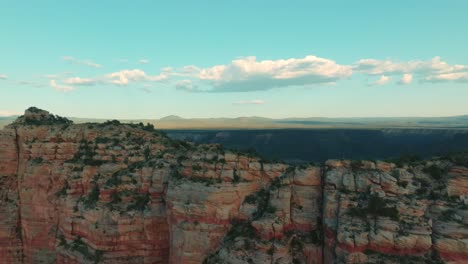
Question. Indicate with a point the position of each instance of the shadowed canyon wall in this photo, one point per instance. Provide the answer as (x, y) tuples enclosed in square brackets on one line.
[(115, 193)]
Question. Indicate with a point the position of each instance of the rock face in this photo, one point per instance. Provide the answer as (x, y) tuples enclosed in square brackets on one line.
[(121, 193)]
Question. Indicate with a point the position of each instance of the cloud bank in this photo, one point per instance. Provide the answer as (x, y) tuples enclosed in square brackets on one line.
[(434, 70), (247, 74)]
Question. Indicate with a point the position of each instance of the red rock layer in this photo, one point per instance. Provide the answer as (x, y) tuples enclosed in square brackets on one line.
[(10, 233), (112, 193)]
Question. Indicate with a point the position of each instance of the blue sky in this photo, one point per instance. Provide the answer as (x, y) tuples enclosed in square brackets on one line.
[(149, 59)]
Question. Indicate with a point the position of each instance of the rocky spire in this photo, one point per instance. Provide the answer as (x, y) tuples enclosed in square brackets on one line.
[(36, 116)]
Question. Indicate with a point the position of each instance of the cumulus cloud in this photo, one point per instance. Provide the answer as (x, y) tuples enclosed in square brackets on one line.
[(247, 74), (250, 74), (406, 79), (79, 81), (382, 80), (82, 62), (123, 77), (452, 76), (250, 102), (61, 88), (3, 77), (432, 70)]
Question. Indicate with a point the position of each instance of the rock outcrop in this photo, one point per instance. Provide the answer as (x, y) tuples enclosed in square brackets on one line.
[(126, 193)]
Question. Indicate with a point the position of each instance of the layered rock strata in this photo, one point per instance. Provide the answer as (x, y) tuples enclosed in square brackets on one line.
[(126, 193)]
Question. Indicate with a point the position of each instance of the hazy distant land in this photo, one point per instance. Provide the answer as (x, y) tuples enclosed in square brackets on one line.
[(176, 122)]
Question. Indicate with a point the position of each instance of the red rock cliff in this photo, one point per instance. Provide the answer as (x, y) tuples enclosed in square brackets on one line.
[(115, 193)]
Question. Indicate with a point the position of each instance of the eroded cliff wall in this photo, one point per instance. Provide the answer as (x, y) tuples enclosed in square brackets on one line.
[(114, 193)]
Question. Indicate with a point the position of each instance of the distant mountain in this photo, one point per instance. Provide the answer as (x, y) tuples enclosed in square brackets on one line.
[(257, 122), (171, 118)]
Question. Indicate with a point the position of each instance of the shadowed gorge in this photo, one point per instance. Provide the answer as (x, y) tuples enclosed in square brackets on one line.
[(127, 193), (319, 145)]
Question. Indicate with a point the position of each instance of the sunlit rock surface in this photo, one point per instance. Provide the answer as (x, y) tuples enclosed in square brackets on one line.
[(120, 193)]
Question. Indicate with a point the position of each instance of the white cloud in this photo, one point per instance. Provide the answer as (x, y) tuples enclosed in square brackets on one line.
[(406, 79), (3, 77), (382, 80), (250, 102), (82, 62), (62, 88), (248, 74), (453, 76), (79, 81), (432, 70), (124, 77)]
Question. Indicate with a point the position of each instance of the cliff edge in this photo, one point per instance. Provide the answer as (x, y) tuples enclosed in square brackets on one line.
[(126, 193)]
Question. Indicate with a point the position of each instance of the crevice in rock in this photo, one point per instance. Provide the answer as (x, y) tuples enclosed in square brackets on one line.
[(322, 208), (273, 244), (18, 189)]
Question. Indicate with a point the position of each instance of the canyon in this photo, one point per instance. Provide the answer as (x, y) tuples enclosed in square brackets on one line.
[(127, 193)]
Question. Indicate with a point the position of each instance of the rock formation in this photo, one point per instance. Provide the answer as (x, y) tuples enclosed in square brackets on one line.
[(126, 193)]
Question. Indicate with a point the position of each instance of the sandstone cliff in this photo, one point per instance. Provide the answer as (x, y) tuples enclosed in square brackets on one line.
[(125, 193)]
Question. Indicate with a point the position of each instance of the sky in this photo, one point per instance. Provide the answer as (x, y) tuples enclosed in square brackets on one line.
[(149, 59)]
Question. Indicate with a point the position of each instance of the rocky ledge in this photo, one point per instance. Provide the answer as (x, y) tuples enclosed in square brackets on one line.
[(126, 193)]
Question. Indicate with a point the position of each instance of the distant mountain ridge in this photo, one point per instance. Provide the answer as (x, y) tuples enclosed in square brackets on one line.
[(257, 122)]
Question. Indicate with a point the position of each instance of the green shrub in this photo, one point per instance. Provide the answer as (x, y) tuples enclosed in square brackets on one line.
[(147, 153), (316, 236), (270, 209), (240, 229), (79, 246), (63, 192), (236, 177), (262, 200), (149, 127), (356, 164), (110, 123), (93, 196), (376, 207), (37, 160), (140, 203), (275, 184), (402, 184), (250, 199), (196, 167), (270, 251), (102, 140), (405, 159), (114, 180), (435, 172), (447, 215), (458, 158)]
